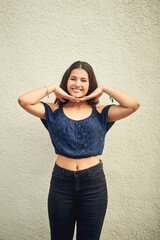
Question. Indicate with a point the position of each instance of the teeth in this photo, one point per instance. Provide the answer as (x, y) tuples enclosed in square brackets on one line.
[(76, 90)]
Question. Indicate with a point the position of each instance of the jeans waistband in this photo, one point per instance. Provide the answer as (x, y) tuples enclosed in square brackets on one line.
[(59, 170)]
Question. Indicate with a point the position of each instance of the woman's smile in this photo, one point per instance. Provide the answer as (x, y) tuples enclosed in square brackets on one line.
[(77, 90)]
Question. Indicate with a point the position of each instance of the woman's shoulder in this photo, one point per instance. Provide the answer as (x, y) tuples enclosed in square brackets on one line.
[(53, 106), (100, 108)]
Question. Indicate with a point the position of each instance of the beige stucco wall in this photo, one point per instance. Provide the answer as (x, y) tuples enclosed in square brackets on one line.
[(39, 39)]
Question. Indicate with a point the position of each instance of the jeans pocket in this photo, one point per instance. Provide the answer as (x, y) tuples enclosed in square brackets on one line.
[(54, 178), (56, 174), (97, 174)]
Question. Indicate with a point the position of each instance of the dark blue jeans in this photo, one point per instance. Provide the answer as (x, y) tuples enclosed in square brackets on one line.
[(77, 196)]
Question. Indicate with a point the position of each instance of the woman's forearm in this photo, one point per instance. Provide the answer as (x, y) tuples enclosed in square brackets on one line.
[(34, 96), (124, 99)]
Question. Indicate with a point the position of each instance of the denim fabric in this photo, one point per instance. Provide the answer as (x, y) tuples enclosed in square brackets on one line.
[(77, 197), (77, 138)]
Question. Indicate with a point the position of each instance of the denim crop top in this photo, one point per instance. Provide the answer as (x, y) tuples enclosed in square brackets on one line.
[(77, 138)]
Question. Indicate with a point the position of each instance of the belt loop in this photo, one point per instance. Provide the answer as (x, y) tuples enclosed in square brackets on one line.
[(87, 170)]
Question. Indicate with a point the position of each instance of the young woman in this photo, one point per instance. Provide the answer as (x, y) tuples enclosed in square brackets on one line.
[(77, 127)]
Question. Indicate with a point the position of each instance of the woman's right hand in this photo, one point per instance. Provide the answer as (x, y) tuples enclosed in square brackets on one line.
[(61, 94)]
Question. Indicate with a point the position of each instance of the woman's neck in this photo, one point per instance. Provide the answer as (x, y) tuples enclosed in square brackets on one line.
[(77, 104)]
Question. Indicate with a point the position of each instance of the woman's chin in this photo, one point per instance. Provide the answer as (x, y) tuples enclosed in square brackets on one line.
[(77, 95)]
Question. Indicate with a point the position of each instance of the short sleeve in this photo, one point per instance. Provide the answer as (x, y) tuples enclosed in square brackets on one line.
[(48, 113), (104, 115)]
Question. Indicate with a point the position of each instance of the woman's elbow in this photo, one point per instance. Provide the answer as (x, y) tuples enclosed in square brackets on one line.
[(136, 106), (20, 101)]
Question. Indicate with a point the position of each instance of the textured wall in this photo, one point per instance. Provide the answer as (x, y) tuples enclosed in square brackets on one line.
[(39, 39)]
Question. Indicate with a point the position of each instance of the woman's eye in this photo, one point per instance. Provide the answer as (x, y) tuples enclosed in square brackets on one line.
[(75, 79)]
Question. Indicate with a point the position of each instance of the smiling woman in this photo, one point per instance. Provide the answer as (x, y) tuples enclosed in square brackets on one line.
[(78, 128)]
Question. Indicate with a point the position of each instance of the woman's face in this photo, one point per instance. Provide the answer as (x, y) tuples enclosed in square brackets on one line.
[(78, 82)]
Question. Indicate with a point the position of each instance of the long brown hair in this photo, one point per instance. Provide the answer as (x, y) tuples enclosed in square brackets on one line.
[(92, 81)]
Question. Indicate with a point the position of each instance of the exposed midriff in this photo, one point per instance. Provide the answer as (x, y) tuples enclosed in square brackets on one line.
[(76, 164)]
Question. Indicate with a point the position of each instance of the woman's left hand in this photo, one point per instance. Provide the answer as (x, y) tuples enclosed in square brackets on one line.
[(95, 94)]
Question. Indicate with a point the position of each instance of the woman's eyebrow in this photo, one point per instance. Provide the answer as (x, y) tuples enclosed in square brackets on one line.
[(81, 78)]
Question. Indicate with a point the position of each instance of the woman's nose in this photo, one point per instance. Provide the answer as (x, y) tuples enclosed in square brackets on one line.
[(77, 83)]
